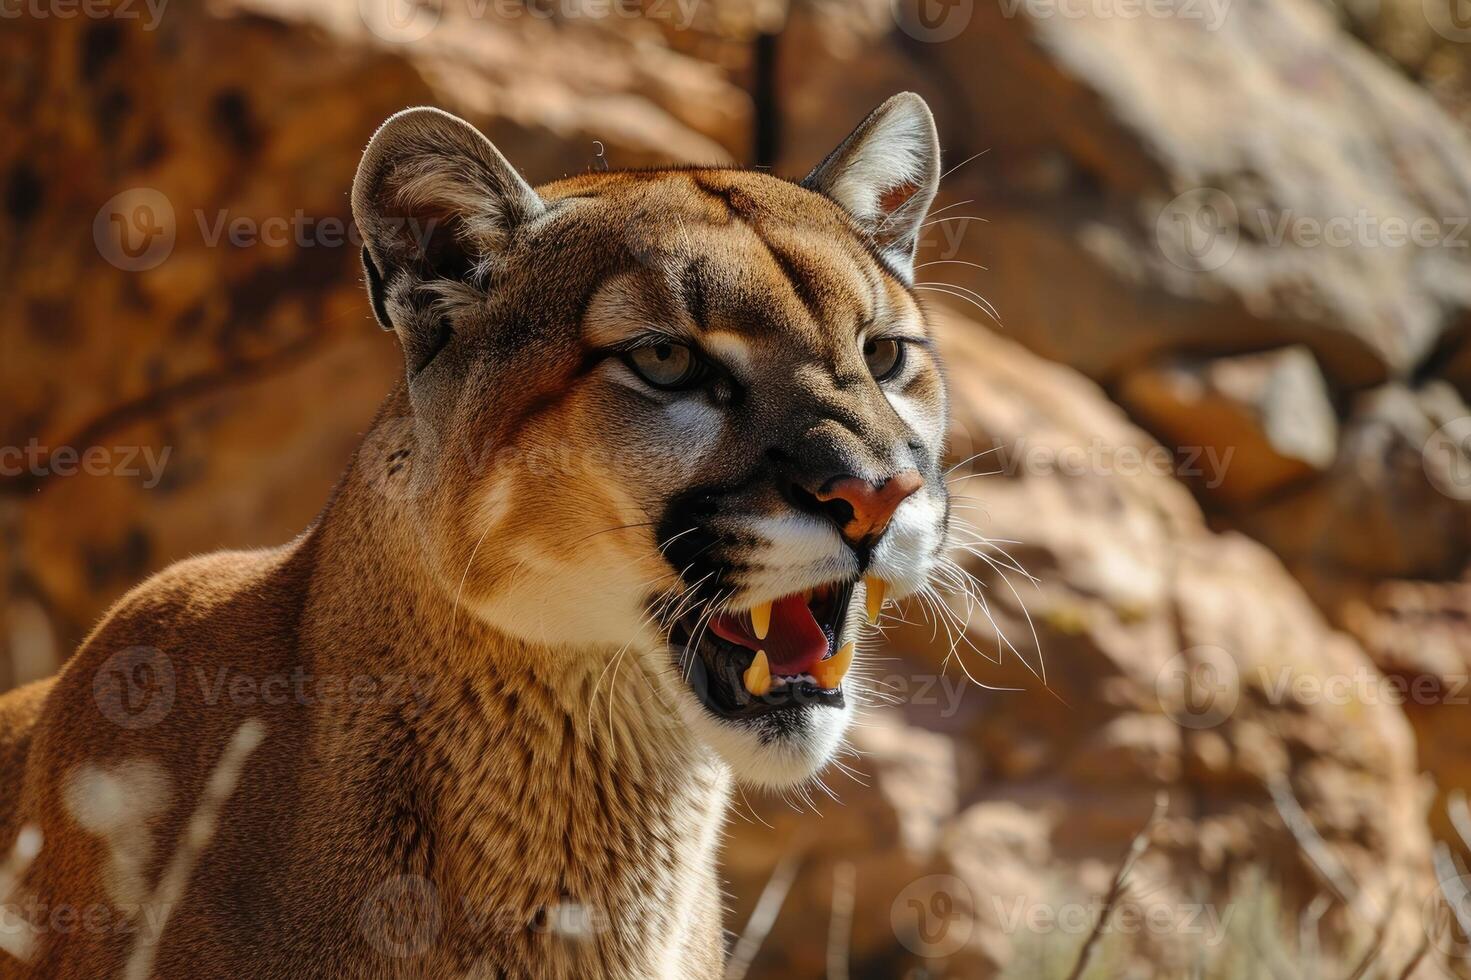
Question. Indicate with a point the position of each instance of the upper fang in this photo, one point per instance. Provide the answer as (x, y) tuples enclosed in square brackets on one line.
[(761, 619), (874, 594)]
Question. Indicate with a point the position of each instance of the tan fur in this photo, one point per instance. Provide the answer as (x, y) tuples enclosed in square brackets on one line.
[(489, 772)]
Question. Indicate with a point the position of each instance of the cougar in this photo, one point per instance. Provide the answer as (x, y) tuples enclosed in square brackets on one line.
[(666, 440)]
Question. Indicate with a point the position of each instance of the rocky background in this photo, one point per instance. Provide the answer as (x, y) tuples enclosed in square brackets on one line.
[(1202, 271)]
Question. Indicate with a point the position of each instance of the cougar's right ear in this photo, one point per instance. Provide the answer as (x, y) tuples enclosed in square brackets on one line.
[(435, 203)]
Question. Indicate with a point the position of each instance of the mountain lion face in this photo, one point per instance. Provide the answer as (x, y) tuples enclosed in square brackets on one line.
[(684, 424)]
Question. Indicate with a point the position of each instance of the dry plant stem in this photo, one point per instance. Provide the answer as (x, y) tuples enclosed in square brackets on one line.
[(763, 916), (1329, 870), (1448, 876), (1137, 846), (1420, 952), (1460, 814), (840, 924), (1376, 945), (192, 842), (17, 939), (1308, 944)]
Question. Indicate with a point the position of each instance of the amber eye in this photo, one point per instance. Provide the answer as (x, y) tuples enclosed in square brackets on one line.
[(884, 357), (665, 364)]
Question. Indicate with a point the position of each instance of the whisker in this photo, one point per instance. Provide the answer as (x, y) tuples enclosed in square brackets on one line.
[(973, 265)]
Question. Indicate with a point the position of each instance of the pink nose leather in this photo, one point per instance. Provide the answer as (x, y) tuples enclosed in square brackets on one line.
[(873, 504)]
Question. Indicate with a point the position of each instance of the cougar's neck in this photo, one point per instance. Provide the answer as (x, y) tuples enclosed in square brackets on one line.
[(518, 780)]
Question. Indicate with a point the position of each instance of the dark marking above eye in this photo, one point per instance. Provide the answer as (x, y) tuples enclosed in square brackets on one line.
[(693, 281), (800, 283), (736, 201)]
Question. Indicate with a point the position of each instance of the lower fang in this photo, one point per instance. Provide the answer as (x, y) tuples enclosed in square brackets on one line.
[(757, 677), (829, 673)]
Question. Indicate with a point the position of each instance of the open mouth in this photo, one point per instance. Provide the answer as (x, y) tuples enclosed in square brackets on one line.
[(780, 655)]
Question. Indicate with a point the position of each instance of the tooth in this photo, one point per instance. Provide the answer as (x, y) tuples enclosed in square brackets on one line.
[(875, 595), (758, 675), (761, 619), (829, 673)]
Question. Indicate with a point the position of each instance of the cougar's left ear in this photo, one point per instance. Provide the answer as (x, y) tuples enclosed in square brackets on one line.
[(436, 204), (885, 175)]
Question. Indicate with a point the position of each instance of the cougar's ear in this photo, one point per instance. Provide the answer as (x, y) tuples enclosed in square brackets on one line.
[(436, 204), (885, 175)]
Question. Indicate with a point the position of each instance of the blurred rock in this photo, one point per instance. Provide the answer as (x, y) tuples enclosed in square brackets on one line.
[(1266, 418), (1395, 504), (1419, 633), (1174, 657), (1196, 187)]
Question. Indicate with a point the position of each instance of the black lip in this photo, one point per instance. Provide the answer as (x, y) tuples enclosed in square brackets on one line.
[(714, 670)]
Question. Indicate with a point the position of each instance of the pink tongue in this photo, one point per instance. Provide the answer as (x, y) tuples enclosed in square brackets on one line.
[(794, 643)]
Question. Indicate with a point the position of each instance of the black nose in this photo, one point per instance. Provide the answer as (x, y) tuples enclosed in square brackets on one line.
[(836, 510)]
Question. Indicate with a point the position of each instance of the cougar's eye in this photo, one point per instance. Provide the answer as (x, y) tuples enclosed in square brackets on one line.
[(666, 364), (884, 357)]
